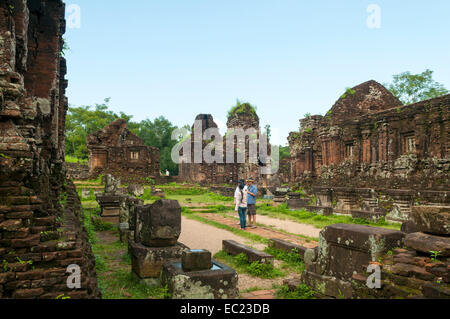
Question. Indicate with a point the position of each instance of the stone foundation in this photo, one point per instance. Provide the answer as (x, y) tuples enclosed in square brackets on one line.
[(220, 282), (147, 262)]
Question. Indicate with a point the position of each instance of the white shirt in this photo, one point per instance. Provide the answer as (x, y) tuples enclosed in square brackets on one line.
[(238, 196)]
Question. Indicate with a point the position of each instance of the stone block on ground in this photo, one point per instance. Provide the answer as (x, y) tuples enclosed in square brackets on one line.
[(327, 285), (426, 243), (346, 248), (368, 215), (195, 260), (220, 282), (297, 202), (287, 246), (234, 248), (320, 210), (146, 262), (135, 190), (292, 283), (432, 219), (410, 227), (159, 224), (436, 291)]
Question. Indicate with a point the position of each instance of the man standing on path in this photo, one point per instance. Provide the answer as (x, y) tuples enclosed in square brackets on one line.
[(251, 202)]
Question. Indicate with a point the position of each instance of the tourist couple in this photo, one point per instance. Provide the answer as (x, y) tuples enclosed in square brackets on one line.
[(245, 201)]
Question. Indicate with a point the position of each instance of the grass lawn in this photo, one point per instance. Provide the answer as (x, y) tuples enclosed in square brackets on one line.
[(113, 263), (318, 221)]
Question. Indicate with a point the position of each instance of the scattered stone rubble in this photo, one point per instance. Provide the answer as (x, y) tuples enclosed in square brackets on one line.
[(414, 265)]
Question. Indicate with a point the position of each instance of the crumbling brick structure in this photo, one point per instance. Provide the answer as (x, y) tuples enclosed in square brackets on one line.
[(222, 171), (381, 154), (39, 238), (117, 151), (355, 261)]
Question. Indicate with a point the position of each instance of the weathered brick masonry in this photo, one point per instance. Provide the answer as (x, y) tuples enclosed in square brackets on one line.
[(38, 237), (223, 170), (371, 153), (117, 151)]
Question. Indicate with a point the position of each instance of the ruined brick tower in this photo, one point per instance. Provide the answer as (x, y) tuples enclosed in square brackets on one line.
[(39, 239), (241, 118), (371, 153), (117, 151)]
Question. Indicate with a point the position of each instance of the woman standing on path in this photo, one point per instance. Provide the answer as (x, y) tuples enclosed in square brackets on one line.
[(240, 199)]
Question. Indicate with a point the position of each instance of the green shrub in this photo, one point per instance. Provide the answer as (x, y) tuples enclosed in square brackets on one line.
[(100, 225), (148, 195), (256, 269), (220, 198), (302, 292), (185, 191)]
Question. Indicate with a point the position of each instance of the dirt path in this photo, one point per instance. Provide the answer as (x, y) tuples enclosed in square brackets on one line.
[(287, 225), (261, 231), (197, 235)]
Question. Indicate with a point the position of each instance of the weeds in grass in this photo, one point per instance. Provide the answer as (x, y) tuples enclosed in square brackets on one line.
[(189, 214), (185, 191), (148, 195), (301, 292), (291, 260), (319, 221), (255, 269), (88, 225)]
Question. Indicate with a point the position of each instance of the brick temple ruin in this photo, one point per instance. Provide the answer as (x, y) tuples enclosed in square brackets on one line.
[(39, 238), (223, 172), (372, 154), (116, 150)]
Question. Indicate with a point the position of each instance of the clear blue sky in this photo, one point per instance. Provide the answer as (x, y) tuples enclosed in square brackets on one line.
[(179, 58)]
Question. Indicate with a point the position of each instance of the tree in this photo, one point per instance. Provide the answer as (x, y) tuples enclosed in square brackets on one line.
[(411, 88), (284, 152), (268, 132), (85, 120), (158, 133), (82, 121)]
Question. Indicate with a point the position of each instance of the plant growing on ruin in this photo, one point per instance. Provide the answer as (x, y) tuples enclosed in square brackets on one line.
[(435, 254), (301, 292), (5, 265), (348, 91), (65, 48), (241, 108), (22, 262), (10, 8)]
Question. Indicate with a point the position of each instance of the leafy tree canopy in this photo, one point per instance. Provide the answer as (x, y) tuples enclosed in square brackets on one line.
[(412, 88), (85, 120)]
